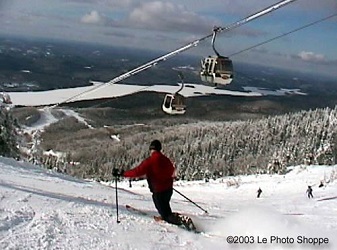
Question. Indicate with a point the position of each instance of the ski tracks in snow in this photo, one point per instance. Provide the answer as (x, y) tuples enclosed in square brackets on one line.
[(15, 220), (59, 227)]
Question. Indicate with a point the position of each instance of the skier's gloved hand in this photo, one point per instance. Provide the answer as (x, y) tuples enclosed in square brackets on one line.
[(117, 172)]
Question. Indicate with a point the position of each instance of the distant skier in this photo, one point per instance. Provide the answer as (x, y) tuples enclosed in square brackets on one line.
[(259, 191), (309, 191), (159, 172), (321, 184)]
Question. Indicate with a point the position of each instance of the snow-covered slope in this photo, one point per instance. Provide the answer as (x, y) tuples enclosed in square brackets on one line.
[(40, 209)]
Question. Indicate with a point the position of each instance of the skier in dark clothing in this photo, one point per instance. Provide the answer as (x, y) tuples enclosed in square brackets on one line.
[(309, 191), (259, 191), (159, 172)]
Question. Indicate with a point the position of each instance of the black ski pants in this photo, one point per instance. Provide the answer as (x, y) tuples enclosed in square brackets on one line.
[(161, 201)]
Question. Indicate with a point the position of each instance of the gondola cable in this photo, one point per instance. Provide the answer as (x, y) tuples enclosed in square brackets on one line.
[(284, 34), (179, 50), (257, 45)]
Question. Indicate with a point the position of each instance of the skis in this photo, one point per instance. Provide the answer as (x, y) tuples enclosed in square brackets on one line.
[(136, 210), (186, 222)]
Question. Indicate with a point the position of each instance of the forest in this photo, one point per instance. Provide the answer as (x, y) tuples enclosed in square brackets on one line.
[(199, 150)]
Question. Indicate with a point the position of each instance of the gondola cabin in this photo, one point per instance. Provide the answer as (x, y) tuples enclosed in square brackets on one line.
[(216, 70), (174, 104)]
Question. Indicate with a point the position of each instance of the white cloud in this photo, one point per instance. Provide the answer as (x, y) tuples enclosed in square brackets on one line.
[(311, 56), (119, 3), (167, 16), (92, 18), (107, 3), (244, 7)]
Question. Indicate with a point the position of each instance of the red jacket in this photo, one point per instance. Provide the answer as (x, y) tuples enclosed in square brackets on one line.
[(159, 172)]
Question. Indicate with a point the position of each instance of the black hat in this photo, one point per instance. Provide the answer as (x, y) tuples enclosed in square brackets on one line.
[(155, 145)]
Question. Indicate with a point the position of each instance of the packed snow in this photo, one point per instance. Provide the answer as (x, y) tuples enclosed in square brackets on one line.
[(42, 209)]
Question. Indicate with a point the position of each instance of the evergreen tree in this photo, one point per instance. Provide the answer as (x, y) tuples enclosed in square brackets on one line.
[(8, 144)]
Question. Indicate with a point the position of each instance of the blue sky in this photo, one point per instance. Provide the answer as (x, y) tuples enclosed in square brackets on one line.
[(167, 25)]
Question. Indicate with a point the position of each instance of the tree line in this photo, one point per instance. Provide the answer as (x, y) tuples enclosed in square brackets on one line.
[(200, 150), (204, 150)]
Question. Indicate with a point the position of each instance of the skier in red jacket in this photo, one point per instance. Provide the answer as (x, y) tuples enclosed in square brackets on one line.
[(159, 172)]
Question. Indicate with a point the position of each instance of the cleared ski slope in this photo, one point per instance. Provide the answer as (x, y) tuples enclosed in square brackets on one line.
[(40, 209)]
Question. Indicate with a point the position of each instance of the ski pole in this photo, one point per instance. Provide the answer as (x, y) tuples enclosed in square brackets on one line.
[(118, 221), (115, 174), (190, 200)]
